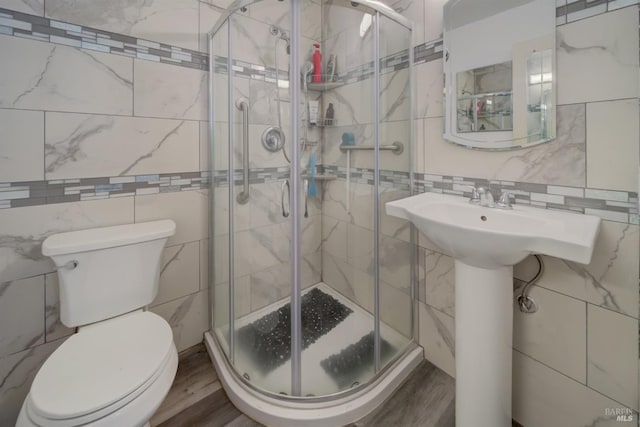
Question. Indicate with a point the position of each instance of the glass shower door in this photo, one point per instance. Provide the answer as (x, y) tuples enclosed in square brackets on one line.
[(250, 229), (339, 327), (306, 298), (394, 174), (220, 236)]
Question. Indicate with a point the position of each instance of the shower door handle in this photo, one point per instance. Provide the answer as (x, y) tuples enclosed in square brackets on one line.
[(285, 186), (306, 198), (243, 106)]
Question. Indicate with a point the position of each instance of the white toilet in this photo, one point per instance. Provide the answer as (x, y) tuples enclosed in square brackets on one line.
[(118, 368)]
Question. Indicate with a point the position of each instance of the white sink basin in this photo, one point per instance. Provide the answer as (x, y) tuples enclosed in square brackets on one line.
[(486, 243), (491, 238)]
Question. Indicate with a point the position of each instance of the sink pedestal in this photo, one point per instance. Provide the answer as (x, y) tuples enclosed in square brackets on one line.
[(491, 238), (483, 351)]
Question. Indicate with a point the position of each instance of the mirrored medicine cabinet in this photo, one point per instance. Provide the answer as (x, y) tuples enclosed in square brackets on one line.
[(499, 65)]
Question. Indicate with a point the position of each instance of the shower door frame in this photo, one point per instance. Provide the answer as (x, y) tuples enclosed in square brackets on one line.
[(295, 180)]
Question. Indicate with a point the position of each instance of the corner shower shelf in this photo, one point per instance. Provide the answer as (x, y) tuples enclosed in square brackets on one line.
[(323, 123)]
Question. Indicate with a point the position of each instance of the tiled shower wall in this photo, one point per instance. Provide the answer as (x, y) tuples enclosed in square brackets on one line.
[(261, 232), (348, 263), (577, 357)]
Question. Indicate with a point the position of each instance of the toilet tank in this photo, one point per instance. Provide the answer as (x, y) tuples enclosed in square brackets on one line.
[(105, 272)]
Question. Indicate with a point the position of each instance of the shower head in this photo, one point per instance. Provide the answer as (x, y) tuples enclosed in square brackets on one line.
[(282, 34), (279, 32)]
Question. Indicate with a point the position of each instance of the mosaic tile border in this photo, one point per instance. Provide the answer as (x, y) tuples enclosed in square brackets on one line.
[(256, 176), (427, 52), (33, 193), (33, 27), (388, 64), (571, 11), (610, 205), (388, 178), (391, 63)]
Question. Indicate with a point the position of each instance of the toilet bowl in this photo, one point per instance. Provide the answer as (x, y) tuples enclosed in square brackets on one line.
[(115, 373), (117, 369)]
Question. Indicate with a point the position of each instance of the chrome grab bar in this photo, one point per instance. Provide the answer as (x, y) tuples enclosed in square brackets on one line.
[(285, 183), (243, 105), (397, 147)]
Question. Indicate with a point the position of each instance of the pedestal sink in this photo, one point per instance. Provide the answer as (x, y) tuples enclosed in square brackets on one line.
[(486, 243)]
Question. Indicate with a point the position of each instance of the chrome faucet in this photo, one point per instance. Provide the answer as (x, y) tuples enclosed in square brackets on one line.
[(484, 197), (505, 200), (475, 197)]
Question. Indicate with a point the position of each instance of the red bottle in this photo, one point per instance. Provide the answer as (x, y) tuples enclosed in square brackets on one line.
[(317, 64)]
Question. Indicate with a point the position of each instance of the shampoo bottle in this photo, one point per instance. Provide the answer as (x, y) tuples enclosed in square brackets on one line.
[(317, 64), (328, 116), (313, 112), (331, 68)]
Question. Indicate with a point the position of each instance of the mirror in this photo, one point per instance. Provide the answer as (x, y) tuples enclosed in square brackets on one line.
[(484, 99), (499, 66)]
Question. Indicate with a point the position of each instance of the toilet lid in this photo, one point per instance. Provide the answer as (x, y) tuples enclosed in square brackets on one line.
[(101, 365)]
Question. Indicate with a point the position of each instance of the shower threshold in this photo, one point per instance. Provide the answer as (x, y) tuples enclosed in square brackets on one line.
[(337, 360)]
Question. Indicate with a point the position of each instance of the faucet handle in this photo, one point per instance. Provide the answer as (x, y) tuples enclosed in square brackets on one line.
[(505, 200), (475, 195)]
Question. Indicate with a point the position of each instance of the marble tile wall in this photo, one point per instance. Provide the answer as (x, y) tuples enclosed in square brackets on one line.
[(102, 110), (576, 359), (348, 259), (261, 233), (62, 32), (348, 263), (262, 248)]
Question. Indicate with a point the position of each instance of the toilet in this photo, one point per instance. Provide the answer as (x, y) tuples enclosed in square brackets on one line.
[(117, 369)]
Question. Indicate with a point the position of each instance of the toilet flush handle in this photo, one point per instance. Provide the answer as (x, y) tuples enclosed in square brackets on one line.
[(71, 265)]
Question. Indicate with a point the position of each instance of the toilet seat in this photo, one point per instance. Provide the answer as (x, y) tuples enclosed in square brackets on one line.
[(101, 369)]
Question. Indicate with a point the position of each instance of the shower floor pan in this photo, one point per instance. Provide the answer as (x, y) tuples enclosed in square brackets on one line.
[(335, 358)]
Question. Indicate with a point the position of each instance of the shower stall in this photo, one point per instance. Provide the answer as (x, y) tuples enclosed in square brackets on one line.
[(312, 285)]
